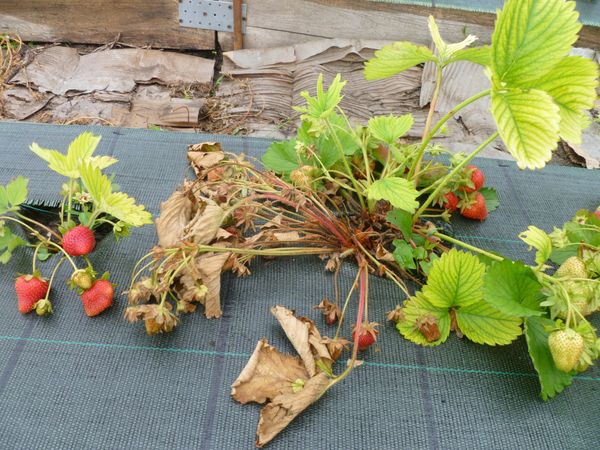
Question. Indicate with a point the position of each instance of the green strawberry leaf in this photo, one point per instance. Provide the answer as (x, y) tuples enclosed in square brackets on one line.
[(8, 242), (538, 239), (403, 254), (552, 380), (281, 157), (491, 198), (528, 123), (572, 85), (530, 38), (324, 103), (13, 194), (400, 192), (401, 219), (395, 58), (416, 308), (560, 255), (456, 279), (390, 128), (484, 324), (512, 288), (478, 55), (344, 137)]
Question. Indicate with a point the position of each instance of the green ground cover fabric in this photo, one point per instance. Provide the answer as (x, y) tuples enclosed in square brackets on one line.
[(70, 382), (588, 9)]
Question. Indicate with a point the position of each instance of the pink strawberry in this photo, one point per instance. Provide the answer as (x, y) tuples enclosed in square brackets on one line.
[(98, 298), (79, 241), (477, 178), (597, 214), (30, 289), (476, 209)]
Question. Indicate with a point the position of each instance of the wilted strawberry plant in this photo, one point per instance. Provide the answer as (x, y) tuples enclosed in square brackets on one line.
[(366, 193), (89, 207)]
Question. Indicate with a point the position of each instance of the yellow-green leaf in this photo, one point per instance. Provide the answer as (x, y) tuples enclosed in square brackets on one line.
[(528, 123), (456, 279), (390, 128), (446, 51), (418, 308), (116, 204), (400, 192), (478, 55), (484, 324), (530, 38), (538, 239), (395, 58), (80, 151), (572, 85)]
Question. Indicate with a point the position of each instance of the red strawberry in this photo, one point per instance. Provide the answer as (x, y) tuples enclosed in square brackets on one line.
[(476, 210), (367, 335), (597, 214), (451, 201), (30, 289), (98, 298), (477, 178), (79, 241)]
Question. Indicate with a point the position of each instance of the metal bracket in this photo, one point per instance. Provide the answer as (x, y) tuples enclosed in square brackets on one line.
[(209, 14)]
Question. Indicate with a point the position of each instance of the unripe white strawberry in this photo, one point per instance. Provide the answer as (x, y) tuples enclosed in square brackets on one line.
[(566, 347)]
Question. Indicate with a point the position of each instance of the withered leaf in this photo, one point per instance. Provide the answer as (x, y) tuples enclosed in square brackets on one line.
[(284, 408), (204, 226), (210, 266), (297, 332), (175, 214), (428, 326), (267, 374), (286, 236)]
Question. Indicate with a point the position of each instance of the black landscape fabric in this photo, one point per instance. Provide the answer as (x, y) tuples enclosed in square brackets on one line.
[(70, 382)]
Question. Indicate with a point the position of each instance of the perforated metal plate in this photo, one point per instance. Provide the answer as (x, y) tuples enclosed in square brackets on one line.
[(209, 14)]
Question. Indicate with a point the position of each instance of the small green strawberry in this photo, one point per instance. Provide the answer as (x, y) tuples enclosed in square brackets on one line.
[(566, 347), (82, 279), (573, 267)]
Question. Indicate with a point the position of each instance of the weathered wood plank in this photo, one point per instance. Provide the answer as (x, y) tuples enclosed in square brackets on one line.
[(352, 20), (288, 22), (152, 23)]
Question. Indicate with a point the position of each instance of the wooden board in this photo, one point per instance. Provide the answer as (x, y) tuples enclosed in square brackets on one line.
[(288, 22), (152, 23)]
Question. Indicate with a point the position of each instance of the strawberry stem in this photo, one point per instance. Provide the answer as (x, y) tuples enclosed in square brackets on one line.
[(441, 183), (52, 276), (346, 302)]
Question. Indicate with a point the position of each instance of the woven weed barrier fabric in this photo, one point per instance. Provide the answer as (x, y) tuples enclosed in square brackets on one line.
[(70, 382)]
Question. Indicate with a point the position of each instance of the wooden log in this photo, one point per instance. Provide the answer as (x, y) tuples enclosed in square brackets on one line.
[(152, 23)]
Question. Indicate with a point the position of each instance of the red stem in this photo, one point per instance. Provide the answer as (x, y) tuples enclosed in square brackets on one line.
[(316, 215), (362, 285)]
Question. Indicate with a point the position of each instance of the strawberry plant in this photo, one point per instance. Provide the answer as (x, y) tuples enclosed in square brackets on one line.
[(368, 194), (88, 204)]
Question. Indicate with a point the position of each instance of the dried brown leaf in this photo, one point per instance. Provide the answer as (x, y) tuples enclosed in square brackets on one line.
[(210, 266), (286, 236), (204, 156), (267, 374), (204, 226), (297, 332), (284, 408), (175, 214)]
